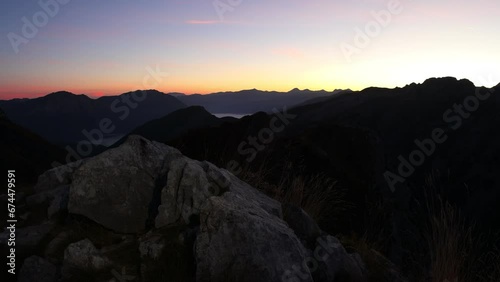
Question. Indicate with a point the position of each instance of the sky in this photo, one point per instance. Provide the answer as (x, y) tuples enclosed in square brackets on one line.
[(110, 47)]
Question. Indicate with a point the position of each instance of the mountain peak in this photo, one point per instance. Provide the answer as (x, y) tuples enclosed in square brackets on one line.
[(148, 91), (444, 80), (64, 96), (248, 91), (60, 94)]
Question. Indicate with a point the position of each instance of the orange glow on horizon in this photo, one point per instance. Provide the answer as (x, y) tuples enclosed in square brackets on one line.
[(32, 91)]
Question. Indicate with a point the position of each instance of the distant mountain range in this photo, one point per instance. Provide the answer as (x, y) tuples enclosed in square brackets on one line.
[(61, 117), (253, 100)]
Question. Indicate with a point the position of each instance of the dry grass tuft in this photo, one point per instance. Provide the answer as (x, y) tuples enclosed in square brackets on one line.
[(451, 245), (456, 250), (318, 195)]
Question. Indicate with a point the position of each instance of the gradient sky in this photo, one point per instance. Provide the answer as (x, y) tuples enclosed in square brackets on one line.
[(104, 47)]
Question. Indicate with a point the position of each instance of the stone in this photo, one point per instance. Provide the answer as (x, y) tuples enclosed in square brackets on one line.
[(59, 203), (241, 241), (115, 188), (301, 223), (35, 268), (46, 196), (58, 176), (334, 263), (84, 256), (188, 187)]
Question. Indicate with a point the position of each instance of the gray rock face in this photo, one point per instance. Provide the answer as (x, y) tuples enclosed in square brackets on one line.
[(241, 241), (302, 224), (46, 196), (84, 256), (151, 246), (56, 177), (37, 269), (335, 264), (187, 189), (57, 246), (116, 188), (189, 184)]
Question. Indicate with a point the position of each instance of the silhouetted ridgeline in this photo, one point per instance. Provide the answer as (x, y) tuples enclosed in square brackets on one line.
[(62, 116), (177, 124), (406, 178), (253, 100)]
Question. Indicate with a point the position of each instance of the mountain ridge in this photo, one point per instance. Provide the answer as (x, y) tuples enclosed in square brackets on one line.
[(61, 117)]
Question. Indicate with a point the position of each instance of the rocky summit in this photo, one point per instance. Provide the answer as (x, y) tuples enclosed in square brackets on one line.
[(144, 212)]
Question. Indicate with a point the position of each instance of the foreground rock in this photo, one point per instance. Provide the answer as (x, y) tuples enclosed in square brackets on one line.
[(83, 257), (241, 241), (39, 268), (115, 188), (145, 212)]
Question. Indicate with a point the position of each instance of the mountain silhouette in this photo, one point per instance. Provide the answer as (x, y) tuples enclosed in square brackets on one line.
[(60, 117), (252, 100), (176, 124)]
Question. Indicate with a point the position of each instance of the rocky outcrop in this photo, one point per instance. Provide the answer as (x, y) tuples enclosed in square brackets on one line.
[(156, 215)]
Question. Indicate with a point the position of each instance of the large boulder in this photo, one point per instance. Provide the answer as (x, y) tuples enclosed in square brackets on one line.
[(241, 241), (115, 189)]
